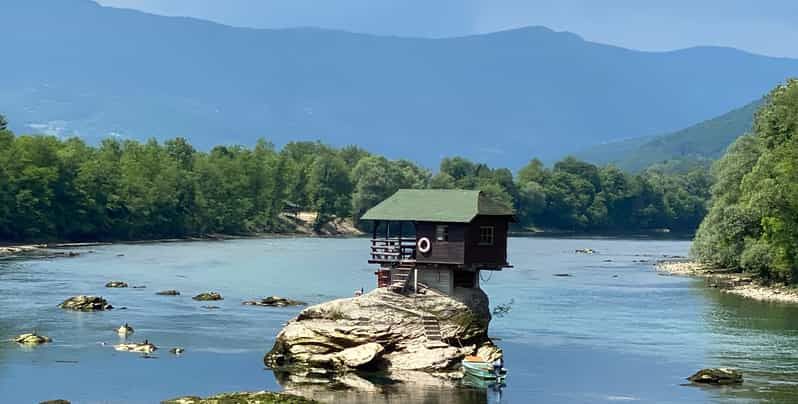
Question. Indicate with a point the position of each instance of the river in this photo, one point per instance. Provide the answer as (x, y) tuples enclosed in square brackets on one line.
[(613, 331)]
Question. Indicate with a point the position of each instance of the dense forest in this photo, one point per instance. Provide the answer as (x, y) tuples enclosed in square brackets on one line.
[(753, 221), (54, 189)]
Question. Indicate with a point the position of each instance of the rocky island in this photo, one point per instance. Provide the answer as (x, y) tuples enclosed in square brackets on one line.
[(386, 331)]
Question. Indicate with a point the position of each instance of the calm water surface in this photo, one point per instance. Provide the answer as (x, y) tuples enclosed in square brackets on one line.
[(613, 331)]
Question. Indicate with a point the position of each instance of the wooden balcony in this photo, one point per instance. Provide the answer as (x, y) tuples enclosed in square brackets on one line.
[(393, 250)]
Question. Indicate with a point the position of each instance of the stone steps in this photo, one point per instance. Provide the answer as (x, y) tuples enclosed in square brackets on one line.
[(432, 329), (400, 278)]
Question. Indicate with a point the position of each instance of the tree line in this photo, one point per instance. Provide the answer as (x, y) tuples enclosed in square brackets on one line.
[(752, 223), (54, 189)]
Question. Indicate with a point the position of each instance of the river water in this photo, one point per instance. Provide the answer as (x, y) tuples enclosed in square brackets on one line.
[(613, 331)]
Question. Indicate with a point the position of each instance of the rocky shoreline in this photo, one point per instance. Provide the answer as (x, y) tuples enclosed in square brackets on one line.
[(731, 282), (338, 228)]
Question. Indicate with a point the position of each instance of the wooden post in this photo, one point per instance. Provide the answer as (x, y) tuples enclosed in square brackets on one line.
[(399, 242)]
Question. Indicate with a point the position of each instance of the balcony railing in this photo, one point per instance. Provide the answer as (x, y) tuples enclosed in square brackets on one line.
[(392, 250)]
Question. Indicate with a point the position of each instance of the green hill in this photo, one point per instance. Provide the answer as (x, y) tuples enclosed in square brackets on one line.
[(696, 144)]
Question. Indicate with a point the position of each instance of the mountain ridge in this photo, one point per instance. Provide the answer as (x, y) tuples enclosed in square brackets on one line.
[(503, 97)]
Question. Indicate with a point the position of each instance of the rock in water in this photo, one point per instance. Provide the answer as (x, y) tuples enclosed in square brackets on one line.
[(177, 351), (55, 402), (32, 339), (170, 292), (207, 296), (260, 397), (142, 347), (116, 284), (383, 330), (124, 330), (720, 376), (85, 303), (274, 301)]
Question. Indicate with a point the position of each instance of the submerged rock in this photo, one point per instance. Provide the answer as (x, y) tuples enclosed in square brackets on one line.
[(116, 284), (32, 339), (208, 296), (260, 397), (85, 303), (170, 292), (142, 347), (383, 330), (274, 301), (719, 376), (585, 251)]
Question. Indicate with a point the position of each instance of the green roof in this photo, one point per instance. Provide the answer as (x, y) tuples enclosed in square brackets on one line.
[(436, 205)]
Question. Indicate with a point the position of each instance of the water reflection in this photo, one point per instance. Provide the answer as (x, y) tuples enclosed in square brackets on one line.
[(759, 338), (398, 387)]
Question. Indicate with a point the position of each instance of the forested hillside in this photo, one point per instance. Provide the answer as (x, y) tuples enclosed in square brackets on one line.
[(499, 97), (753, 220), (52, 189), (699, 144)]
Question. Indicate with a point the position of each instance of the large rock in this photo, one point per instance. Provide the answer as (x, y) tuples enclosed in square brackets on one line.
[(208, 296), (116, 284), (273, 301), (260, 397), (32, 339), (358, 356), (719, 376), (85, 303), (382, 330), (141, 347)]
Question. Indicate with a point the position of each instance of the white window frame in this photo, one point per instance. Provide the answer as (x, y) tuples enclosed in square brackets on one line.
[(441, 232)]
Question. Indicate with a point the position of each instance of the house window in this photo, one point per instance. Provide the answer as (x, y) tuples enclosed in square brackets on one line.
[(486, 235), (442, 232)]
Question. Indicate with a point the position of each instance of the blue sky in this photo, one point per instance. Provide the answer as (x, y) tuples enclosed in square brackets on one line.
[(765, 26)]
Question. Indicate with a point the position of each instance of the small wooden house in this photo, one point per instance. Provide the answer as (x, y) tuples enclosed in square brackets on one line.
[(439, 239)]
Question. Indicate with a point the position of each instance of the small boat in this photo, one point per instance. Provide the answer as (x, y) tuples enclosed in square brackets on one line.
[(479, 383), (477, 367)]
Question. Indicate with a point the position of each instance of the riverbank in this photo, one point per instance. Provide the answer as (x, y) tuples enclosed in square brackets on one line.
[(729, 281), (301, 225)]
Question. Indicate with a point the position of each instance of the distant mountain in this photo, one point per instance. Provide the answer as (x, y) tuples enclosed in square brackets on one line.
[(705, 141), (71, 66)]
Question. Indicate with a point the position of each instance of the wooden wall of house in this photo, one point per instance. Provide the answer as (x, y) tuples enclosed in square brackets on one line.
[(443, 252), (487, 254), (437, 278)]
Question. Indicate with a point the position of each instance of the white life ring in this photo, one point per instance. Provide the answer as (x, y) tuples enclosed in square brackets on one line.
[(424, 245)]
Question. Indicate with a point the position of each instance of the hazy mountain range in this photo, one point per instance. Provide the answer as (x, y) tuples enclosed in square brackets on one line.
[(73, 67)]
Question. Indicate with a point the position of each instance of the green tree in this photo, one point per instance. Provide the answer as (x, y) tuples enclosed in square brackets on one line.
[(329, 188)]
